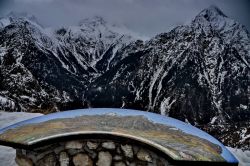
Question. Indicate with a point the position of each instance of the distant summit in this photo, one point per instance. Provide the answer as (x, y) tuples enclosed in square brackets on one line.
[(93, 21), (211, 12), (13, 17)]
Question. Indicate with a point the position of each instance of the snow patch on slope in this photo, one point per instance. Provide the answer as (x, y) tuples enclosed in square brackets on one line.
[(2, 53), (4, 22), (242, 156), (5, 102), (166, 106)]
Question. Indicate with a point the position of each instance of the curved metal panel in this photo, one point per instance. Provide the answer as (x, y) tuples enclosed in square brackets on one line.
[(176, 139)]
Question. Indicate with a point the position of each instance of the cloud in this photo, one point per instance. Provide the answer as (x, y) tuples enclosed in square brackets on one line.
[(147, 17), (33, 1)]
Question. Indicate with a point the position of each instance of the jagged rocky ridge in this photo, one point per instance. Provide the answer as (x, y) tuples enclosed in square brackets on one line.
[(198, 73), (43, 69)]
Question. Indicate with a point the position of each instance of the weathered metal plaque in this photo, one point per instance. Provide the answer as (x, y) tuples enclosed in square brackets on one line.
[(178, 140)]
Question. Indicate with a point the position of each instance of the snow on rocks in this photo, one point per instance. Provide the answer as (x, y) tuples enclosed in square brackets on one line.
[(242, 156)]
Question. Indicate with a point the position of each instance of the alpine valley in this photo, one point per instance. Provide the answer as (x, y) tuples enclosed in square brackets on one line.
[(198, 73)]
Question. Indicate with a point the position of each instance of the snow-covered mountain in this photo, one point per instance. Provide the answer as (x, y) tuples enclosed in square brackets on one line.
[(198, 73), (43, 69)]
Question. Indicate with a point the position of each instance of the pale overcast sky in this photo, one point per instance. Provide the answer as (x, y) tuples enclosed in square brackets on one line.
[(147, 17)]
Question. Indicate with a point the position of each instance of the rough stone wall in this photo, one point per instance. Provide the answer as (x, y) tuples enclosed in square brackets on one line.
[(90, 152)]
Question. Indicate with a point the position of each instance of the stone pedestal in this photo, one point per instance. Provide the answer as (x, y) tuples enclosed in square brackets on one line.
[(91, 152)]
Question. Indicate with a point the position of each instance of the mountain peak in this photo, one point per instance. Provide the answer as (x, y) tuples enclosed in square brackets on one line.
[(13, 17), (18, 15), (213, 19), (93, 21), (211, 12)]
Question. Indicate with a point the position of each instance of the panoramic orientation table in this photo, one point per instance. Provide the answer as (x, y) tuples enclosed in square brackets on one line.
[(177, 140)]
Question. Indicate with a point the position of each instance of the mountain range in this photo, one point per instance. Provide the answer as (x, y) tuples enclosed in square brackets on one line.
[(198, 72)]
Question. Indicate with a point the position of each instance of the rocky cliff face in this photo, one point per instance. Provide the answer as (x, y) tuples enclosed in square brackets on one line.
[(43, 69), (199, 73)]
